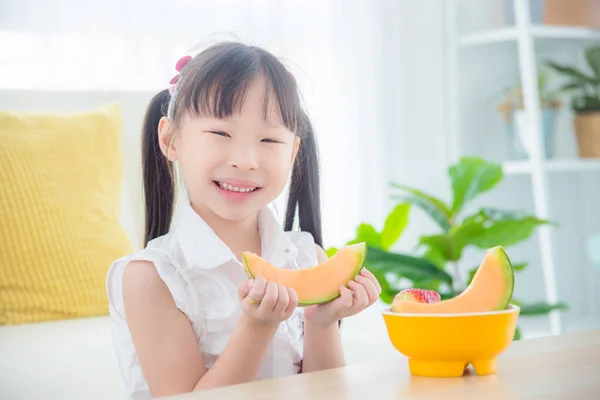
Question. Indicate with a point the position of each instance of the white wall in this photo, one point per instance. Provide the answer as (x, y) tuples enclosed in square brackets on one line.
[(414, 134)]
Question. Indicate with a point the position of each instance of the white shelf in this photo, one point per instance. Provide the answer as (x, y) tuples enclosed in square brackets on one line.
[(576, 165), (537, 31), (564, 32), (517, 167), (573, 165), (526, 41), (488, 37)]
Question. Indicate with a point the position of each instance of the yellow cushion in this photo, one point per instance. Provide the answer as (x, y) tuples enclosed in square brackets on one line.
[(60, 202)]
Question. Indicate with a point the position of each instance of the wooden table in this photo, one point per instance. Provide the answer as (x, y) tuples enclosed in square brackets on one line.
[(555, 367)]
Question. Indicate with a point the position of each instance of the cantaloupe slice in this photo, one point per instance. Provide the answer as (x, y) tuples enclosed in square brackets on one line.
[(491, 289), (315, 285)]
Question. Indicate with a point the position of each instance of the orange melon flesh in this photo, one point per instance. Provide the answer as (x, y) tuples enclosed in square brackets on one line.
[(491, 289), (315, 285)]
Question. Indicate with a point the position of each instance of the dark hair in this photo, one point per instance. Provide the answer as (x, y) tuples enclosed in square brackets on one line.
[(214, 83)]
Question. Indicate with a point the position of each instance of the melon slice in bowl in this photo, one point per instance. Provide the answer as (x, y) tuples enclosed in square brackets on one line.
[(491, 289)]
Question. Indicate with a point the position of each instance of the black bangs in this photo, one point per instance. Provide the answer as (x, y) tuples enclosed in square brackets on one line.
[(215, 83)]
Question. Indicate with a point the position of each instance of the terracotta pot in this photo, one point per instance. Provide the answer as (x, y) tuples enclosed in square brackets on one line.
[(587, 129), (585, 13)]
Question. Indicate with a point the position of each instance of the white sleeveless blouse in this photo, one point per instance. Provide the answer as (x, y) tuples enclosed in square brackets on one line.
[(202, 275)]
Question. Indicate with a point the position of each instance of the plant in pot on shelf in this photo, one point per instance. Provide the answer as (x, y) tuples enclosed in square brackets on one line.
[(585, 101), (520, 142), (435, 263)]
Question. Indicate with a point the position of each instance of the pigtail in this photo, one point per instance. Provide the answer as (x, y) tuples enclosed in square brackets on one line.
[(304, 190), (159, 187)]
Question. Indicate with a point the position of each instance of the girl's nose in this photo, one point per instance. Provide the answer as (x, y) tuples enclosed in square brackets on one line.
[(244, 157)]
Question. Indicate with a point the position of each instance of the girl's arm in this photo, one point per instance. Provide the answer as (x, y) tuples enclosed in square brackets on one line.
[(166, 345), (322, 342)]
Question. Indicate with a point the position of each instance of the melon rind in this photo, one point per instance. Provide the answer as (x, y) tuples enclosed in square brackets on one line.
[(359, 249), (509, 274)]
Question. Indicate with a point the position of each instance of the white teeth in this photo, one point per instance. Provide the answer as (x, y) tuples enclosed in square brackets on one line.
[(235, 189)]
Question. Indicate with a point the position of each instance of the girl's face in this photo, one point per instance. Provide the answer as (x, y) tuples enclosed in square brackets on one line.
[(233, 167)]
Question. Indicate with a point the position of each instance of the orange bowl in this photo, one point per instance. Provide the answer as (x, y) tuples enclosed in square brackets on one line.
[(443, 345)]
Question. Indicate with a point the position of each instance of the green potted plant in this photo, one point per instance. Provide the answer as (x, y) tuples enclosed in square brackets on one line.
[(585, 101), (520, 141), (436, 262), (484, 228)]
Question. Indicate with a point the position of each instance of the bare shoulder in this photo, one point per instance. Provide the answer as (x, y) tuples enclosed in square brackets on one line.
[(321, 254), (142, 283)]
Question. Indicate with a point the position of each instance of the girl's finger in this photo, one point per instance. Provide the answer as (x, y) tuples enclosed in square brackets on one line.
[(283, 299), (270, 298), (257, 291), (244, 287), (345, 301), (361, 297), (293, 303), (339, 306), (369, 275), (372, 292)]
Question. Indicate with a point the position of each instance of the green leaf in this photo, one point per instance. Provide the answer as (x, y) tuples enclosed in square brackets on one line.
[(450, 245), (387, 296), (472, 272), (570, 86), (331, 251), (387, 293), (394, 225), (461, 235), (519, 266), (489, 214), (435, 255), (368, 234), (434, 207), (516, 302), (517, 334), (494, 214), (585, 103), (504, 233), (492, 227), (448, 295), (428, 284), (470, 177), (406, 266), (572, 73), (441, 244), (541, 308), (593, 58)]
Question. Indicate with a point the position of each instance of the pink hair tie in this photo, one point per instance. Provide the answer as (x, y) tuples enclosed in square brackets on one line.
[(178, 66)]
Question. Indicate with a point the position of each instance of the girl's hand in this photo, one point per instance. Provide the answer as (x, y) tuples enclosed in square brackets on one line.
[(361, 293), (266, 302)]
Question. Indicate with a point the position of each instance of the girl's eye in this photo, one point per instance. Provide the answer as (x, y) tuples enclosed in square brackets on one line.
[(220, 133), (270, 141)]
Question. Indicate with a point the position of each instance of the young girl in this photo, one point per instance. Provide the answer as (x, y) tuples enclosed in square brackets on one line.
[(184, 315)]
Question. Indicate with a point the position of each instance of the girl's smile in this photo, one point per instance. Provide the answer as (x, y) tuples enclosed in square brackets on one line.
[(236, 190)]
